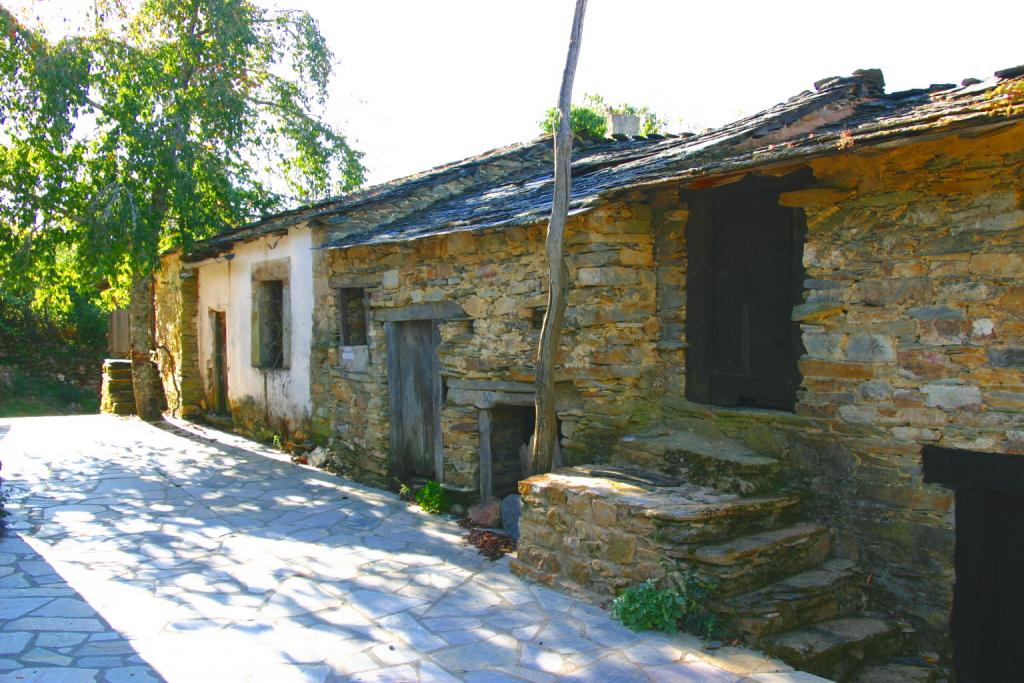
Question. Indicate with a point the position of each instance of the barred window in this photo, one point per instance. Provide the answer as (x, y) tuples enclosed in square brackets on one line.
[(270, 312)]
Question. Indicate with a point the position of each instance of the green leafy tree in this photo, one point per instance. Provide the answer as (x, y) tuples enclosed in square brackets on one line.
[(162, 122), (589, 119)]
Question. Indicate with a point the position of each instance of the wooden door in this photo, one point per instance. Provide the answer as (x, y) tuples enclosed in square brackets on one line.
[(414, 389), (744, 276), (987, 625), (752, 356), (988, 598), (220, 362)]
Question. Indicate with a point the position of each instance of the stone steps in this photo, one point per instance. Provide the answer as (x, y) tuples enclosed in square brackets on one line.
[(116, 394), (595, 530), (744, 563), (818, 594), (703, 456), (835, 648)]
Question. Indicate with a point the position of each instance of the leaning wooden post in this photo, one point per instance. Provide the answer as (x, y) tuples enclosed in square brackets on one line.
[(545, 435)]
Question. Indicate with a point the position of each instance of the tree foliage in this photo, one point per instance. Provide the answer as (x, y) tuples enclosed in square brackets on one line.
[(163, 122), (589, 119)]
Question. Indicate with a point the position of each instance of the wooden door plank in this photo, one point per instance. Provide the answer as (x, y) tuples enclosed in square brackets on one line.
[(396, 464)]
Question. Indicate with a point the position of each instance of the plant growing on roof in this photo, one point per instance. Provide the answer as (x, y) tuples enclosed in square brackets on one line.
[(589, 119)]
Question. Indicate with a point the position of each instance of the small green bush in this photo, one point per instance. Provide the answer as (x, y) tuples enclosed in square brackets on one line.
[(433, 498), (683, 605), (645, 607)]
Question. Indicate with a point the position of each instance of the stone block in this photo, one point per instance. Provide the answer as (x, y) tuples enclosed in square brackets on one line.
[(605, 513), (945, 332), (607, 276), (871, 348), (1006, 358), (982, 328), (894, 290), (935, 312), (875, 390), (953, 396), (822, 368), (998, 265), (486, 513), (621, 549), (817, 310)]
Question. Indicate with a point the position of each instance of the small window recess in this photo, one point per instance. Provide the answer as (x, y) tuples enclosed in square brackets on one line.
[(352, 323), (271, 328)]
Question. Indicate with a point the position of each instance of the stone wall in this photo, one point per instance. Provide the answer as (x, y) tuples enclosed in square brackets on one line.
[(497, 278), (176, 295), (913, 329)]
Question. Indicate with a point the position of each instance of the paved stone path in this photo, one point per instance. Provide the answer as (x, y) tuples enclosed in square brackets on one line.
[(138, 553)]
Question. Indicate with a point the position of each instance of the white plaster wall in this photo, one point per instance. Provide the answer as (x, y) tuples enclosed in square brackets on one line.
[(226, 285)]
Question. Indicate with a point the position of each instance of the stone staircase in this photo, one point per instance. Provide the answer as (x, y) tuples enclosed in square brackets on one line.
[(116, 393), (711, 506)]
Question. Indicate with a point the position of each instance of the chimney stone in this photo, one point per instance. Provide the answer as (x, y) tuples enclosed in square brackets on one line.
[(622, 124)]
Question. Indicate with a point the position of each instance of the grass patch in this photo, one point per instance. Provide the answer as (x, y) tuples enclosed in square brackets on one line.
[(29, 394)]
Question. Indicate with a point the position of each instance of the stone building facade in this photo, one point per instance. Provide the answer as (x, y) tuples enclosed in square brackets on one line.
[(908, 311)]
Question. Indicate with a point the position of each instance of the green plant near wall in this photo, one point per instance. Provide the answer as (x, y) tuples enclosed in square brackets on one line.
[(678, 601), (433, 498), (645, 607)]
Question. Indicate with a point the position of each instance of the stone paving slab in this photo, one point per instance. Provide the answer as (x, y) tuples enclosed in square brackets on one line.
[(144, 553)]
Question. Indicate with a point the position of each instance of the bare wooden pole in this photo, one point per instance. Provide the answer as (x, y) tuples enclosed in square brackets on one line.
[(545, 435)]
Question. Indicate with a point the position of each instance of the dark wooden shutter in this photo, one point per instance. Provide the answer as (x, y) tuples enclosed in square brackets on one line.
[(744, 275)]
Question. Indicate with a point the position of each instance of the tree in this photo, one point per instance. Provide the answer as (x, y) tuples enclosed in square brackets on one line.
[(590, 118), (164, 122), (545, 434)]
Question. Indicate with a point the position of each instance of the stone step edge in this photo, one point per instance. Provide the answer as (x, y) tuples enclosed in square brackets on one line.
[(830, 640), (761, 600), (741, 548), (781, 606), (738, 507), (744, 461)]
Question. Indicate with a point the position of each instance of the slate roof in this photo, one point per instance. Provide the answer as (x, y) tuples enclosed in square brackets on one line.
[(513, 185)]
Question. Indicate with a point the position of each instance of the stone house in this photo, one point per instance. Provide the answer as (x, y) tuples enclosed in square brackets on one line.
[(792, 344)]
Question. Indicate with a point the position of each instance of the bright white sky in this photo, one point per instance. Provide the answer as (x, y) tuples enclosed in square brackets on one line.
[(424, 82)]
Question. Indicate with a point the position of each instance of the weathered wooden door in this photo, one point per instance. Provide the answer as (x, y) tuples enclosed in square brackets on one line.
[(220, 362), (414, 387), (753, 302), (744, 276), (987, 626), (988, 598)]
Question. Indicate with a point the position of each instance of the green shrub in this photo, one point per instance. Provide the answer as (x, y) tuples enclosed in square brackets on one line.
[(645, 607), (681, 605), (433, 498)]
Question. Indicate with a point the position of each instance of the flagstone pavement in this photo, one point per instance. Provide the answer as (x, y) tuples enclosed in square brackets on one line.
[(139, 552)]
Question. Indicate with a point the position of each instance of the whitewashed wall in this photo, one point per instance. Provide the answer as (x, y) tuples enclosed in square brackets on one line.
[(226, 285)]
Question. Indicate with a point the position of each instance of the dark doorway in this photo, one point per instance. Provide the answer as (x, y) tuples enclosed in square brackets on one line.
[(220, 362), (414, 387), (744, 276), (987, 625), (511, 429)]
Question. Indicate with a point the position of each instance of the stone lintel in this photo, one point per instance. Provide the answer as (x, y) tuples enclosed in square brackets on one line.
[(440, 310)]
